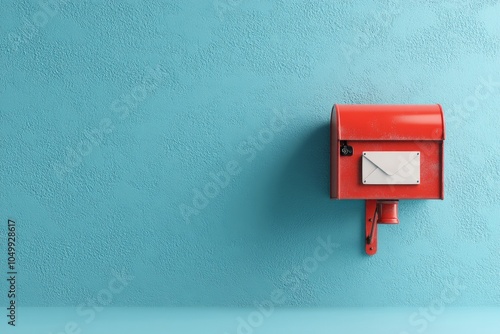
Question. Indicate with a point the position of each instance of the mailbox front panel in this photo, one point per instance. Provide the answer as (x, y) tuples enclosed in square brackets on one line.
[(350, 181)]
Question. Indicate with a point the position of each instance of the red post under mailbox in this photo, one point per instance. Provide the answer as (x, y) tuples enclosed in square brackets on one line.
[(384, 153)]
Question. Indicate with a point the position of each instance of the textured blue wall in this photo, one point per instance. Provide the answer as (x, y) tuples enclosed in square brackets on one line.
[(117, 117)]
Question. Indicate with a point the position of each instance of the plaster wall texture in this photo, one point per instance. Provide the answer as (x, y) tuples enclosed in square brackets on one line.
[(117, 115)]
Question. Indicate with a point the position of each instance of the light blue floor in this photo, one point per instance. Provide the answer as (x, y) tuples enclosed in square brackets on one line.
[(248, 321)]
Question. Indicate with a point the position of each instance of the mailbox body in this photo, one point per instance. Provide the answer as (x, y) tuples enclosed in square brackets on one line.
[(383, 131)]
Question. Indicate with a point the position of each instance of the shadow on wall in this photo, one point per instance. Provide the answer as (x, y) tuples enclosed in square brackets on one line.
[(300, 196)]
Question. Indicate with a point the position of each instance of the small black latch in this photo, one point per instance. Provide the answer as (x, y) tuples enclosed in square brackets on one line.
[(345, 150)]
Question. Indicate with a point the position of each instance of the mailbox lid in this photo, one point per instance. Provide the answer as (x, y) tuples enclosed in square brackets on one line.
[(389, 122)]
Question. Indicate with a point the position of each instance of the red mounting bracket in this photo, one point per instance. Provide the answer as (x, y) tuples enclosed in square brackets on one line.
[(378, 212)]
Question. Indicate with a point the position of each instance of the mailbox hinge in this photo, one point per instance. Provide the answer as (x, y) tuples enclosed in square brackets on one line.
[(345, 150)]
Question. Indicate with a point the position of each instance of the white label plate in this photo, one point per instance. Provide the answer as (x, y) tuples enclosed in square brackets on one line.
[(391, 167)]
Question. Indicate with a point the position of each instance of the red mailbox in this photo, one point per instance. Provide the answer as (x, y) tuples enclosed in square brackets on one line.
[(384, 153)]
